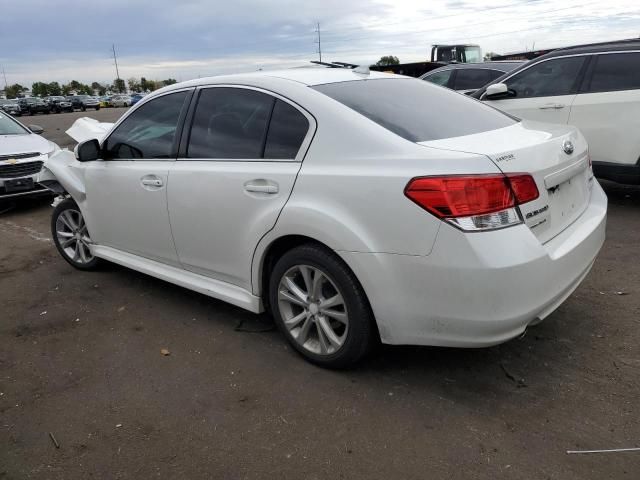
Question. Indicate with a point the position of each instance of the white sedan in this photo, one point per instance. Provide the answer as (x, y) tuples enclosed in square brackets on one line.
[(22, 153), (120, 101), (353, 206)]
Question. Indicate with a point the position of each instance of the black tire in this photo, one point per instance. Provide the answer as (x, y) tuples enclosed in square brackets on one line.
[(67, 206), (83, 108), (361, 334), (98, 108)]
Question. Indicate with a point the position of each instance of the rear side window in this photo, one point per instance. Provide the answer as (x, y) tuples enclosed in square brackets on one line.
[(615, 71), (416, 110), (474, 78), (547, 78), (439, 78), (149, 131), (230, 123), (287, 130)]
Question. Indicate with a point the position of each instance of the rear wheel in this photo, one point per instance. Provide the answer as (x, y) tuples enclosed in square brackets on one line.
[(71, 236), (319, 305), (83, 108)]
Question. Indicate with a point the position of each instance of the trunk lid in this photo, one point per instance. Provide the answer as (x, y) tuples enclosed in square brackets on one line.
[(557, 158)]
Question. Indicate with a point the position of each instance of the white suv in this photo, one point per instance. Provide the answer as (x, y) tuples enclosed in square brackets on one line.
[(594, 87), (354, 206)]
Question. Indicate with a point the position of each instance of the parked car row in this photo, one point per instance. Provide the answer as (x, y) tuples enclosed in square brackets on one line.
[(593, 87), (46, 105)]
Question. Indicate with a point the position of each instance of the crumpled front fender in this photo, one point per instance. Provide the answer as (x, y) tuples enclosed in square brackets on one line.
[(63, 168), (62, 172)]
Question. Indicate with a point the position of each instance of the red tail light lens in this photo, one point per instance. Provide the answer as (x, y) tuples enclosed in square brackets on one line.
[(472, 202), (524, 188), (461, 196)]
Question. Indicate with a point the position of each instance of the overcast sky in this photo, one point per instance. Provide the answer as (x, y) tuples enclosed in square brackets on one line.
[(61, 40)]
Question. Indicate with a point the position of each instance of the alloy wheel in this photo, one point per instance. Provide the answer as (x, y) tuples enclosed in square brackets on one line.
[(313, 309), (73, 237)]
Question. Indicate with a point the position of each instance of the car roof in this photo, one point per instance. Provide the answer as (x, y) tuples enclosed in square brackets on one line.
[(620, 45), (309, 76), (502, 65)]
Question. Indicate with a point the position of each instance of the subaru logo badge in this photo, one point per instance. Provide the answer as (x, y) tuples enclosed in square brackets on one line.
[(567, 146)]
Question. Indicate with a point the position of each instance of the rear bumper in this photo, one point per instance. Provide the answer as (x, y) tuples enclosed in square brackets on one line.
[(479, 289), (621, 173)]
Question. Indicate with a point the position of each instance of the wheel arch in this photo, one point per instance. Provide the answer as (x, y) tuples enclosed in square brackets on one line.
[(282, 244)]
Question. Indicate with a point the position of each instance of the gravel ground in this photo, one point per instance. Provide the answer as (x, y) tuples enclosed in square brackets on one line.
[(80, 359)]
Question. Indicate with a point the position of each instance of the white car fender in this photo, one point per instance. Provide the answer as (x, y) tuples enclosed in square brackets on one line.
[(62, 168)]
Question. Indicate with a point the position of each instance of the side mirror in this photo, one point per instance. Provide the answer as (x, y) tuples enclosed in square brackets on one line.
[(87, 151), (497, 91), (36, 129)]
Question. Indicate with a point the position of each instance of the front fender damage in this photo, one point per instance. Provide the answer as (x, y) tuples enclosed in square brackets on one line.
[(63, 173)]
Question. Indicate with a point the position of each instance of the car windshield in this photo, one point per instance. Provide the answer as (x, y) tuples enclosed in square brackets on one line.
[(9, 126), (472, 54), (416, 110)]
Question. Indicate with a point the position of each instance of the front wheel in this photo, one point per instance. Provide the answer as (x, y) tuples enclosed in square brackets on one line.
[(83, 108), (98, 108), (71, 236), (319, 305)]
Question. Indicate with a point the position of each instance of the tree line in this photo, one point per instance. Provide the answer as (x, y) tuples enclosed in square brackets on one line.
[(43, 89)]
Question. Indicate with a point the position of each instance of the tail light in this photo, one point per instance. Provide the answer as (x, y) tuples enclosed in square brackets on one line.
[(474, 202)]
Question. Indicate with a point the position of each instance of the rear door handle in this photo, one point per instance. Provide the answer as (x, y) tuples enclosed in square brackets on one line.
[(151, 181), (552, 106), (261, 186)]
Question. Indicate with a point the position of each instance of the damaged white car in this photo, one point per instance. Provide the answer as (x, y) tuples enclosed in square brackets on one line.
[(353, 206)]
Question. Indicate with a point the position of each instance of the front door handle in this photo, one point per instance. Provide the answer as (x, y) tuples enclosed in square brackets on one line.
[(151, 181), (552, 106), (261, 186)]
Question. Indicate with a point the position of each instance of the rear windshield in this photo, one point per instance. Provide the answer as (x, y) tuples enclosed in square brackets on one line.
[(416, 110)]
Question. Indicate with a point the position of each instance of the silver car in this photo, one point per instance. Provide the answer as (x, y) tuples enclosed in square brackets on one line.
[(22, 154), (121, 101)]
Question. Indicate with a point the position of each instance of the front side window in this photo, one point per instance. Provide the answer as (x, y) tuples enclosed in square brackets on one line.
[(149, 132), (230, 123), (439, 78), (547, 78), (615, 71), (416, 110)]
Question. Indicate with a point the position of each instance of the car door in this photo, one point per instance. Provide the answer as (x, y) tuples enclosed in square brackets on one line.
[(544, 91), (127, 190), (607, 108), (236, 169)]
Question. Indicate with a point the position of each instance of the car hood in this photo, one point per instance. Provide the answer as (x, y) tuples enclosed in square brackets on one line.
[(27, 143), (87, 128)]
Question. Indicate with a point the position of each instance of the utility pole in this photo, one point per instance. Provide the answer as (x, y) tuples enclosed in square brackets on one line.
[(5, 80), (319, 41), (115, 59)]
